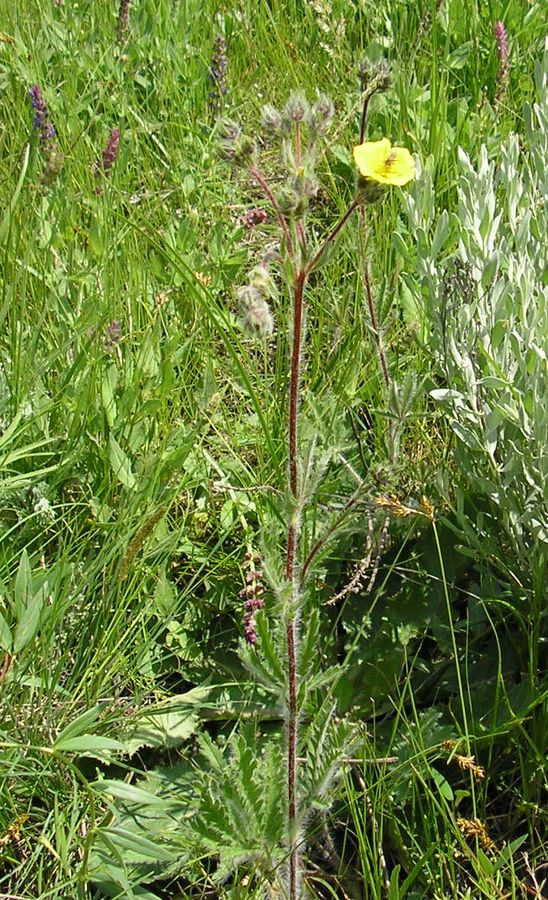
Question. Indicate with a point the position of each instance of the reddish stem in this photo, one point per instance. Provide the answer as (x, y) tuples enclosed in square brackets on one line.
[(258, 176), (292, 537), (331, 237)]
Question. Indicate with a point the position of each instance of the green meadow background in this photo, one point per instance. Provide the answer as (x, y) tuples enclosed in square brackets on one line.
[(142, 434)]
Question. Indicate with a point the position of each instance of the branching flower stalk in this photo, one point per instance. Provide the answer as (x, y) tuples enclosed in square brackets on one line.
[(298, 128)]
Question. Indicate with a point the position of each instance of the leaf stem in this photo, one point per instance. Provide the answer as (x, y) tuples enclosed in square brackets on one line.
[(372, 313), (331, 237)]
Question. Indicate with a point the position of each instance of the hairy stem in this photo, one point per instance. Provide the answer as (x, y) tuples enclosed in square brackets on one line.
[(363, 120), (291, 568), (331, 237), (258, 176), (292, 575)]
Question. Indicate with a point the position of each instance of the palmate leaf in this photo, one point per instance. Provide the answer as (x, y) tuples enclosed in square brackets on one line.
[(240, 803), (308, 653), (327, 741), (264, 660)]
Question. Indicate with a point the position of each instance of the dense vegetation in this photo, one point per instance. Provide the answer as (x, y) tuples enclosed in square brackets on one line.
[(147, 491)]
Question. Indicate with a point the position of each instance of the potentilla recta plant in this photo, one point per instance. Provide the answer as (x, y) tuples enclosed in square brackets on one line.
[(285, 656)]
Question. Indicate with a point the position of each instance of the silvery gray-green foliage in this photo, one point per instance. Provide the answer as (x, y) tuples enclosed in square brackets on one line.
[(482, 284)]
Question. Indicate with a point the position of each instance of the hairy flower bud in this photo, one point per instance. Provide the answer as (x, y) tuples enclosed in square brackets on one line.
[(233, 145), (289, 200), (271, 118), (228, 130), (374, 76), (258, 319), (320, 116), (296, 108), (369, 191), (244, 150)]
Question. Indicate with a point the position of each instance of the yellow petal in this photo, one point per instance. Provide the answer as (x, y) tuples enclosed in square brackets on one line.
[(401, 167), (379, 161), (369, 157)]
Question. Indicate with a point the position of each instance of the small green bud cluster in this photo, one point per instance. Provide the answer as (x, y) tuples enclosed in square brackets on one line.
[(374, 77), (316, 116), (299, 126), (235, 146), (255, 312)]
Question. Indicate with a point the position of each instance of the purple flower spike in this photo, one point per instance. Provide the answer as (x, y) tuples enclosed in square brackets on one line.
[(108, 157), (253, 593), (217, 74), (113, 334), (501, 37), (41, 122)]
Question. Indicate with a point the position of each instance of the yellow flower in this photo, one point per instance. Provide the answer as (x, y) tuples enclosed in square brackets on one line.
[(381, 162)]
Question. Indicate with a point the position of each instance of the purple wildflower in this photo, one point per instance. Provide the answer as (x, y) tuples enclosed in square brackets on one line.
[(253, 593), (501, 37), (113, 334), (41, 122), (46, 132), (123, 20), (254, 217), (109, 154), (217, 74)]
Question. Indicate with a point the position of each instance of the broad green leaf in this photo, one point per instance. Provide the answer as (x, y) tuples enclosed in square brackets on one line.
[(508, 852), (29, 622), (394, 889), (89, 745), (146, 849), (120, 463), (108, 387), (6, 637), (6, 218), (23, 584), (442, 785), (127, 792), (80, 723)]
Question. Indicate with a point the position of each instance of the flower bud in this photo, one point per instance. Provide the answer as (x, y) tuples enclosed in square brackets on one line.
[(289, 200), (374, 76), (271, 118), (296, 107), (369, 191), (247, 296), (261, 279), (244, 150), (258, 319), (228, 130), (320, 116)]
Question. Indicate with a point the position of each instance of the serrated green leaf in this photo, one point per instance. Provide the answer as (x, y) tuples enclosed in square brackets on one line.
[(167, 727)]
